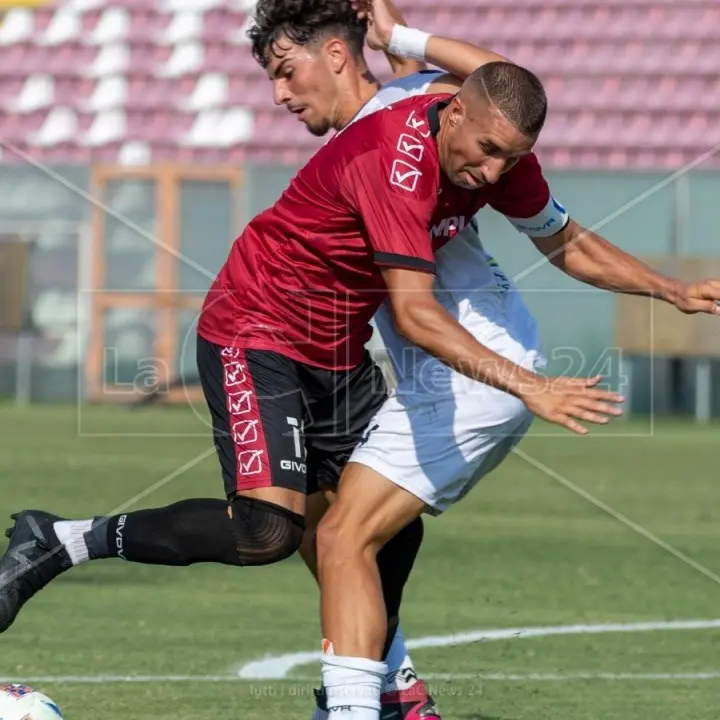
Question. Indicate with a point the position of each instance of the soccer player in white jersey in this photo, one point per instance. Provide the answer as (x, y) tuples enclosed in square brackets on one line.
[(440, 433)]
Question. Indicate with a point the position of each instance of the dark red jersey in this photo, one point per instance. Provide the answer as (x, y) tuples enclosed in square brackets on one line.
[(304, 279)]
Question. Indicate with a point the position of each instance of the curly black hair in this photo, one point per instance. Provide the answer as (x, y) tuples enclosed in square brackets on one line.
[(304, 21)]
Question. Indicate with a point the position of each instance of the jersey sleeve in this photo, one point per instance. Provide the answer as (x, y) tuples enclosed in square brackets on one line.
[(525, 199), (395, 197)]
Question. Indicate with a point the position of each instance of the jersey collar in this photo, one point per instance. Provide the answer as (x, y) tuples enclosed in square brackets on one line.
[(434, 115)]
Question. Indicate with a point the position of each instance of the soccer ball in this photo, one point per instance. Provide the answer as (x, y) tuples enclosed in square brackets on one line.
[(19, 702)]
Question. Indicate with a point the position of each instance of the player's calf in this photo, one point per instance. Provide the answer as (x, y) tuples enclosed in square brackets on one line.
[(368, 512), (395, 562)]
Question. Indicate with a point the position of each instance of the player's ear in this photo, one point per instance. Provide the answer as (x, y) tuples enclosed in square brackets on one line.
[(337, 54), (456, 111)]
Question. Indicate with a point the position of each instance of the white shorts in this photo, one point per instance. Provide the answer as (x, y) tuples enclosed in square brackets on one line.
[(438, 447)]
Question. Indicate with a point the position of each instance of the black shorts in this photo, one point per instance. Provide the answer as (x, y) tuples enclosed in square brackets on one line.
[(280, 423)]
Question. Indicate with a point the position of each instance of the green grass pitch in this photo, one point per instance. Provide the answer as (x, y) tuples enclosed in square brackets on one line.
[(522, 550)]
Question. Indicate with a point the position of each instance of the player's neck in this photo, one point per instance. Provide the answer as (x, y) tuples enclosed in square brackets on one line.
[(358, 91), (440, 138)]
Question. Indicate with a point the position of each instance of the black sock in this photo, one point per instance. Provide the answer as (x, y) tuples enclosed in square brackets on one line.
[(187, 532), (244, 532), (395, 561)]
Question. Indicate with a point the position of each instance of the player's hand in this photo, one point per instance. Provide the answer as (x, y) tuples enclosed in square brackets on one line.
[(701, 297), (565, 401), (381, 15)]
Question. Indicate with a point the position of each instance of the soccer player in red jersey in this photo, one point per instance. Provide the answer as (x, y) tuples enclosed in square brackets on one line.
[(283, 427), (282, 334), (312, 51)]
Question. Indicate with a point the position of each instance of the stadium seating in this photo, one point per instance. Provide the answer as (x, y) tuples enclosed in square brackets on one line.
[(632, 83)]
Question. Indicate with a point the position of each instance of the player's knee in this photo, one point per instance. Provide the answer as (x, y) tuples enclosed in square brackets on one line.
[(328, 548), (265, 533)]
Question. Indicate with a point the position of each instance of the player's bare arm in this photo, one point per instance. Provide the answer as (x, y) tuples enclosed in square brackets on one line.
[(459, 59), (422, 320), (400, 66), (591, 259)]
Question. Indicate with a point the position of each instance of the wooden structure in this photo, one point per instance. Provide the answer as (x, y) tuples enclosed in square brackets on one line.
[(648, 328), (14, 276), (166, 300)]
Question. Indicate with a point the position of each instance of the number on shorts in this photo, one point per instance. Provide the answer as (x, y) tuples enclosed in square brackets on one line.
[(297, 428)]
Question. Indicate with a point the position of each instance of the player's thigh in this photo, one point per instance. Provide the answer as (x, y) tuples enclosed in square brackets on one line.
[(342, 405), (439, 449), (256, 405), (368, 511)]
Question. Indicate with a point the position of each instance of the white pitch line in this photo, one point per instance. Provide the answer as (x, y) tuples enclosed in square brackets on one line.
[(281, 665), (563, 677), (278, 667), (448, 677), (112, 679)]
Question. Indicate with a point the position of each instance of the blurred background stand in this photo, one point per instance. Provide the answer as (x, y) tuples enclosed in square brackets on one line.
[(15, 315), (651, 331)]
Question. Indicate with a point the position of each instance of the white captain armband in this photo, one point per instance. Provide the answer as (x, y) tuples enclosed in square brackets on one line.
[(550, 220)]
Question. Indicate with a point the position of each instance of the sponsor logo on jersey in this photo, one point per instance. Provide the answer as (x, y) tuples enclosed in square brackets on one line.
[(411, 146), (404, 175), (419, 125), (449, 227)]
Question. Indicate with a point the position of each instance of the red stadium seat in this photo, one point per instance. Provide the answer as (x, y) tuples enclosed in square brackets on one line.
[(632, 83)]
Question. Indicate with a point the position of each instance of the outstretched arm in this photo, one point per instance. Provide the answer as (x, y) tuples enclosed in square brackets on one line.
[(421, 319), (590, 258), (525, 199)]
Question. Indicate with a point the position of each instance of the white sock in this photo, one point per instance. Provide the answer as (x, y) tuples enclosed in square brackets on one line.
[(71, 534), (353, 687), (401, 673)]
